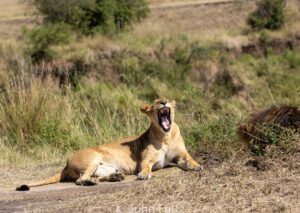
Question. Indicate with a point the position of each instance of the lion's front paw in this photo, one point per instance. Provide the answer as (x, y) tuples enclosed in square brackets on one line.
[(144, 175), (195, 167)]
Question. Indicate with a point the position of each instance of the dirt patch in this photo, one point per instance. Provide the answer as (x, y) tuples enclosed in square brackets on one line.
[(262, 47), (231, 186), (12, 28), (217, 76), (208, 160), (204, 21), (258, 164), (168, 5)]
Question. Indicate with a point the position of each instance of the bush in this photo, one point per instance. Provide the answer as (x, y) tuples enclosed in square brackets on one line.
[(92, 16), (269, 14), (40, 39)]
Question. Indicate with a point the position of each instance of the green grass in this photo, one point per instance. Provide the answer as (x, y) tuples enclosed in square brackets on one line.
[(272, 80)]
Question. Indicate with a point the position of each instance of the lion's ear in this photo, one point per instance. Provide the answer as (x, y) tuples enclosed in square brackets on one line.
[(146, 108), (173, 103)]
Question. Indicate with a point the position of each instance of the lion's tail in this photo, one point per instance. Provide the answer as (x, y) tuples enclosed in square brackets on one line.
[(55, 179)]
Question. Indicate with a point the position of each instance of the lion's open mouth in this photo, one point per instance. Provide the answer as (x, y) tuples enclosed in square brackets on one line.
[(164, 118)]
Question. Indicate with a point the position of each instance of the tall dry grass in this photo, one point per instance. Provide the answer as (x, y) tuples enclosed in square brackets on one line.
[(39, 122)]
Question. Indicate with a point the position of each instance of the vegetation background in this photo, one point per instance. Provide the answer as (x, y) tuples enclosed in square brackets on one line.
[(66, 85)]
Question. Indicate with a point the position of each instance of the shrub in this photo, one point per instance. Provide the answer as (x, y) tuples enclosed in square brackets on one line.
[(269, 14), (92, 16), (40, 39)]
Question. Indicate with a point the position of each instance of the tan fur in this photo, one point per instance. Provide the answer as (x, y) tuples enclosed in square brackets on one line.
[(154, 149)]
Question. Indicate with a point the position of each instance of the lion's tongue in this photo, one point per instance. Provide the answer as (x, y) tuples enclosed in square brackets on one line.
[(165, 122)]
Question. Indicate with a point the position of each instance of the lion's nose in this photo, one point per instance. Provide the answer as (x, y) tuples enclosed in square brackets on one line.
[(163, 103)]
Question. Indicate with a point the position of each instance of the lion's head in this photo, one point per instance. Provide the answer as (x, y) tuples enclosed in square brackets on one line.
[(161, 113)]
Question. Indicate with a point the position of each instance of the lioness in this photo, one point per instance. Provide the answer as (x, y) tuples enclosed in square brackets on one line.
[(161, 145)]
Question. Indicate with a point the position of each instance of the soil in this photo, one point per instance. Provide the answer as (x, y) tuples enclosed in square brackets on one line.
[(245, 184)]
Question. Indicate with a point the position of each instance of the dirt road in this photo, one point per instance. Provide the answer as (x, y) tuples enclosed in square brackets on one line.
[(239, 185), (169, 5)]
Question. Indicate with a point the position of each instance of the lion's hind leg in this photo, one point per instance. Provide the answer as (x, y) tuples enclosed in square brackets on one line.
[(86, 178), (99, 173)]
